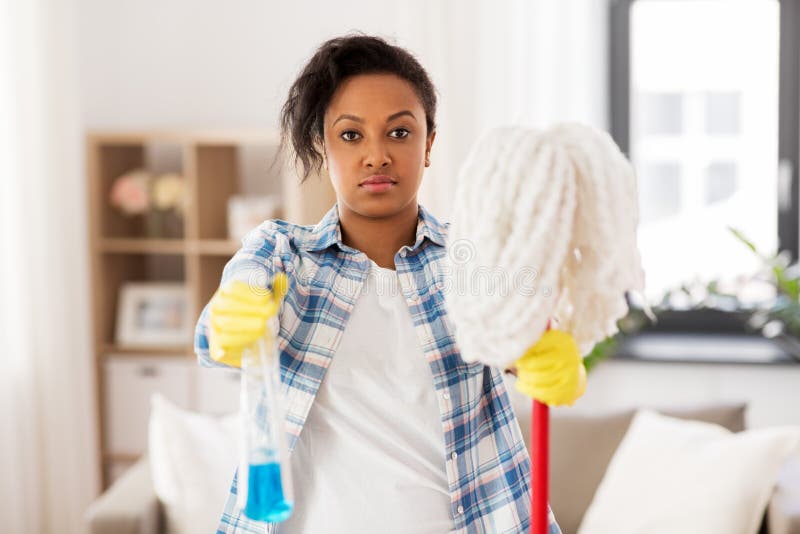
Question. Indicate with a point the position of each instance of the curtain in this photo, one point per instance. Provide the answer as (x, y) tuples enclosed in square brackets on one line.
[(47, 410)]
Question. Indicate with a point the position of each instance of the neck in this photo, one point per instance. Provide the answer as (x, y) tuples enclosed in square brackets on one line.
[(379, 237)]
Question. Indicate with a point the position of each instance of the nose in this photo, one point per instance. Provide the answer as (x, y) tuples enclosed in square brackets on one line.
[(377, 155)]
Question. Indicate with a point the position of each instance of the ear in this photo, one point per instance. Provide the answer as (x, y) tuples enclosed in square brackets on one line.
[(324, 155), (428, 146)]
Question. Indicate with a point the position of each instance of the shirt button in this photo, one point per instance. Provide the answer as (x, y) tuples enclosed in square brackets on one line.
[(460, 509), (446, 395), (403, 253), (454, 455)]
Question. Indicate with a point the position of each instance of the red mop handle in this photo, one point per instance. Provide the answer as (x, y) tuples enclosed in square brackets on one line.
[(540, 449), (540, 464)]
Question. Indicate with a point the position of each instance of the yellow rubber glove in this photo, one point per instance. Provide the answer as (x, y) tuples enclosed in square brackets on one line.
[(238, 316), (551, 370)]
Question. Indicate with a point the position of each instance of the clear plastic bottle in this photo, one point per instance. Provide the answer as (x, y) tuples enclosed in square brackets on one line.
[(264, 483)]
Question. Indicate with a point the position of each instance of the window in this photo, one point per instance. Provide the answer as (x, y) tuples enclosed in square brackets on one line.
[(704, 101)]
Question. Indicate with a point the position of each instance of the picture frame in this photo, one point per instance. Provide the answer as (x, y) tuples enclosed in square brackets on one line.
[(153, 314), (246, 212)]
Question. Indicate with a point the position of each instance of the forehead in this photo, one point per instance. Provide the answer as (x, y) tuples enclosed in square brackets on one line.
[(373, 96)]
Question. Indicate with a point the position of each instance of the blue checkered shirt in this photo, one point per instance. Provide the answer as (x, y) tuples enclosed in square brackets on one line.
[(488, 467)]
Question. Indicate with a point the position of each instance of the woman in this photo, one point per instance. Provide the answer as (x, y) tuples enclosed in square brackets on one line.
[(399, 434)]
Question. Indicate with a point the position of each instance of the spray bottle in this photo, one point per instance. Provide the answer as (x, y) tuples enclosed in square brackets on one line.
[(264, 479)]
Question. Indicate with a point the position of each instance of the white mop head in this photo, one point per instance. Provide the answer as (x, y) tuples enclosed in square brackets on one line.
[(544, 225)]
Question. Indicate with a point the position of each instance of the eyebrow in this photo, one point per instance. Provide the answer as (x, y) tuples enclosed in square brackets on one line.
[(388, 119)]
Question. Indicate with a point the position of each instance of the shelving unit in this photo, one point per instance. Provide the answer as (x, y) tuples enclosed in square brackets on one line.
[(215, 166)]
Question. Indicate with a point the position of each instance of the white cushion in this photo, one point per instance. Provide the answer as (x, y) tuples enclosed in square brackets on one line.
[(672, 475), (193, 457)]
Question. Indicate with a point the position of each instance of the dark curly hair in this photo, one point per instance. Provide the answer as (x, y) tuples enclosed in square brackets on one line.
[(302, 115)]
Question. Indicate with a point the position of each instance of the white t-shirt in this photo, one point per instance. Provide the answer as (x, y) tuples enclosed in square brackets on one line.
[(371, 456)]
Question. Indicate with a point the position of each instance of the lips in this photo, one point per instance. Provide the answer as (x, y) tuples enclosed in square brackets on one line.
[(379, 179)]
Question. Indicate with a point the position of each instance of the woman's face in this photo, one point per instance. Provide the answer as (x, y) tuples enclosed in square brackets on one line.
[(375, 125)]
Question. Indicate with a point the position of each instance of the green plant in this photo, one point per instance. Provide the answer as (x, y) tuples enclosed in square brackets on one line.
[(632, 322), (780, 315), (600, 352), (783, 313)]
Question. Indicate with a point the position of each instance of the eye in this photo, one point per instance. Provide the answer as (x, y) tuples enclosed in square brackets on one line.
[(401, 130), (348, 132)]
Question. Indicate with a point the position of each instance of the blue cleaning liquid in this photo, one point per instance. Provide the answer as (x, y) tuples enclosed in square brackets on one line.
[(265, 500)]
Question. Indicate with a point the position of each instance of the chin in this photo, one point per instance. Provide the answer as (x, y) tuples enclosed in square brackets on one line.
[(381, 205)]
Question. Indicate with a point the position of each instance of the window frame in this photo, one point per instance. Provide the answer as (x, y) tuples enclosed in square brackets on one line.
[(788, 124)]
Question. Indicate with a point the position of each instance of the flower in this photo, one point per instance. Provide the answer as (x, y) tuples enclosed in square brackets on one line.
[(168, 191), (129, 192)]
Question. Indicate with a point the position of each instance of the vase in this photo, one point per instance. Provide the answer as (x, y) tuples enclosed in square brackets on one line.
[(166, 224)]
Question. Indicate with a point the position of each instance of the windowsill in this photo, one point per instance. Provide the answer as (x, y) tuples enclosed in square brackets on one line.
[(727, 348)]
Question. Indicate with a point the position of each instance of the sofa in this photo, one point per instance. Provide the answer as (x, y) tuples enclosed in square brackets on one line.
[(581, 448)]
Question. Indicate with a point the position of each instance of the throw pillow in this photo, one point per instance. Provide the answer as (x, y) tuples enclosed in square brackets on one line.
[(671, 475)]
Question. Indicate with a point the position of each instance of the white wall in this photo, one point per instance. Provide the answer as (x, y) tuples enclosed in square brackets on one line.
[(203, 63)]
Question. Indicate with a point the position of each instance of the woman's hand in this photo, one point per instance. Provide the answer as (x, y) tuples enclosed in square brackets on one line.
[(238, 316), (551, 370)]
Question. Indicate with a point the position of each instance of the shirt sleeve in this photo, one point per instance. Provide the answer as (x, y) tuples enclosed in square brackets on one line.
[(552, 527), (254, 263)]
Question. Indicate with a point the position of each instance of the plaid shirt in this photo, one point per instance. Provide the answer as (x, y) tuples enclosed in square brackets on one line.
[(487, 465)]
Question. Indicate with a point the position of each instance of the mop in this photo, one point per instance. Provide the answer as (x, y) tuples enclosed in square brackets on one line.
[(543, 227)]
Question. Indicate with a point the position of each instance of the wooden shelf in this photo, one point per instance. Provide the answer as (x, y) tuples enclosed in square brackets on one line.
[(123, 350), (194, 137), (215, 247), (143, 246), (134, 245)]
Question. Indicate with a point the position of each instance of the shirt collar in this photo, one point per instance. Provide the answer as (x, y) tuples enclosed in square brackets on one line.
[(328, 231)]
